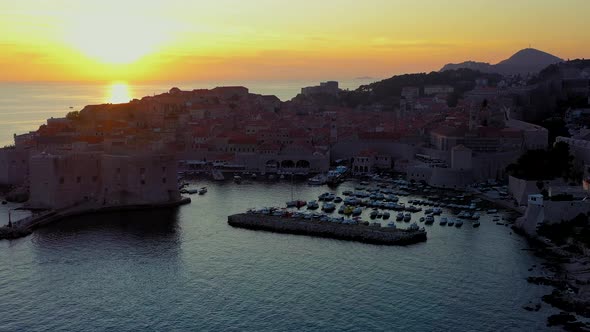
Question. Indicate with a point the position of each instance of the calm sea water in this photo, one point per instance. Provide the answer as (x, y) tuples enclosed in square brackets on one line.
[(187, 270), (25, 106)]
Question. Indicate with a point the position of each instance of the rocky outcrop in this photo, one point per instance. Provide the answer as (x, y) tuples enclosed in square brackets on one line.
[(299, 226)]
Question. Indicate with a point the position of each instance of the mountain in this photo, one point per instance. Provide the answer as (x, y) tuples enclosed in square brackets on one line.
[(528, 60)]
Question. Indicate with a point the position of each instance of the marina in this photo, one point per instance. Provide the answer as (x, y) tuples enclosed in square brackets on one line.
[(195, 242)]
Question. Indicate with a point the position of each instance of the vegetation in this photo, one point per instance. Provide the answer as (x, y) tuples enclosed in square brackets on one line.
[(552, 163), (73, 115), (576, 229), (388, 91), (556, 127)]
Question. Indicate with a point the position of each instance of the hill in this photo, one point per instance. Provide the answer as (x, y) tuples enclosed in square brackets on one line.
[(528, 60)]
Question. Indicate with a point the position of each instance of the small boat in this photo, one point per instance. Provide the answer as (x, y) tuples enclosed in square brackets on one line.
[(386, 215), (253, 176), (391, 224), (399, 217), (373, 214), (188, 191), (203, 191), (429, 220), (312, 205), (443, 221), (357, 211), (476, 224), (237, 179), (297, 204), (347, 192), (422, 219), (458, 223), (337, 199), (341, 209), (217, 175), (407, 217), (329, 207), (492, 211), (414, 227), (451, 222), (4, 202)]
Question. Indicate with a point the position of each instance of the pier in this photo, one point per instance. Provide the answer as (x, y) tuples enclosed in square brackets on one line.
[(24, 227), (300, 226)]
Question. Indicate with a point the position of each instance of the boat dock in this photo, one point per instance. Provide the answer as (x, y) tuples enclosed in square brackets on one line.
[(24, 227), (301, 226)]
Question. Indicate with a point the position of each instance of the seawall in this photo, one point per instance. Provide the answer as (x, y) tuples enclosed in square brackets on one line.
[(22, 228), (300, 226)]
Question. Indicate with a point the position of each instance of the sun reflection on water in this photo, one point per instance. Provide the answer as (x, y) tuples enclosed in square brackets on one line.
[(118, 92)]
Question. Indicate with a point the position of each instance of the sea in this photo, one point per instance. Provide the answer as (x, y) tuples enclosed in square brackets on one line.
[(186, 269)]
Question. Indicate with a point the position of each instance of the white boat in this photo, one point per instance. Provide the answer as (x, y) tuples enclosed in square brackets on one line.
[(317, 180), (217, 175)]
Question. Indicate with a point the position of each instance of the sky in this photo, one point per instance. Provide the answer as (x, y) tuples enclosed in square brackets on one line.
[(84, 40)]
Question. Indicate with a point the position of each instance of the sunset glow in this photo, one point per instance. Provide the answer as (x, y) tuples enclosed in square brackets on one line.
[(118, 93), (109, 40)]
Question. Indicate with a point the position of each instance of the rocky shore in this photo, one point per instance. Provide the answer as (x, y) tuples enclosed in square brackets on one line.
[(300, 226), (569, 274)]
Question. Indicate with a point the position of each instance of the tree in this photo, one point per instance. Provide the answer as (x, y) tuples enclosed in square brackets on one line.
[(73, 115)]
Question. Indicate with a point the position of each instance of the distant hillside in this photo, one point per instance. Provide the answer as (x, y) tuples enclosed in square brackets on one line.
[(483, 67), (528, 60), (388, 91)]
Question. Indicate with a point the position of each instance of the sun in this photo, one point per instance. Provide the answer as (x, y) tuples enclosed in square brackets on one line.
[(116, 40), (118, 92)]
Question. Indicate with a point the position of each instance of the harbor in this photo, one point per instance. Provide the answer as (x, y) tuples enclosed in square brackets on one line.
[(166, 247)]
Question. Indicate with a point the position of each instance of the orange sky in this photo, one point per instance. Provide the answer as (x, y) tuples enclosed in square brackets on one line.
[(63, 40)]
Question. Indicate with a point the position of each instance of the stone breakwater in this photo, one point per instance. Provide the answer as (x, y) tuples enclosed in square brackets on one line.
[(300, 226), (26, 226)]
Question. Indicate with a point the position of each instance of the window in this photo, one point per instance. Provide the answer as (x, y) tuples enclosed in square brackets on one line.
[(78, 179), (142, 182), (164, 169), (163, 180)]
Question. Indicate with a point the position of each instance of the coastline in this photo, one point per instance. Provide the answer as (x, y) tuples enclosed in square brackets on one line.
[(22, 228), (569, 275)]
